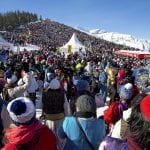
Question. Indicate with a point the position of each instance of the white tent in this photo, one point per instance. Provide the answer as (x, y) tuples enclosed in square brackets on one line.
[(27, 47), (4, 44), (74, 44)]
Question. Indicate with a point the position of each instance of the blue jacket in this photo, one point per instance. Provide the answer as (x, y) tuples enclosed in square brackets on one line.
[(94, 129), (103, 78)]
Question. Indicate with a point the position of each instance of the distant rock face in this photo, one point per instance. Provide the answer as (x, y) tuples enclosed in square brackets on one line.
[(123, 39)]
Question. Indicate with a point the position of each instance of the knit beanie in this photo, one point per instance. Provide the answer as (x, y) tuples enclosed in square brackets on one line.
[(21, 111), (126, 91), (82, 85), (86, 103)]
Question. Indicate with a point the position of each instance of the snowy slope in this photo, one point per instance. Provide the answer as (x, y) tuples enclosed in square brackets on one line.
[(118, 38)]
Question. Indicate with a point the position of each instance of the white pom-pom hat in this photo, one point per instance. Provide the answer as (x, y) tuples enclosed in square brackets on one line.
[(12, 80), (21, 111)]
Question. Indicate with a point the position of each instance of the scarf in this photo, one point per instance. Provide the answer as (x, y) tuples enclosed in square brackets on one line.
[(84, 114), (24, 133)]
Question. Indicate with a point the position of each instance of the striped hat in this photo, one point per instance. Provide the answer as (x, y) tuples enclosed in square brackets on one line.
[(21, 111)]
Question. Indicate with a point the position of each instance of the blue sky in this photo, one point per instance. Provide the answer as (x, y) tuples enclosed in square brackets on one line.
[(123, 16)]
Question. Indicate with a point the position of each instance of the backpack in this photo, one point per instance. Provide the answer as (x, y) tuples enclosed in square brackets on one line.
[(111, 115)]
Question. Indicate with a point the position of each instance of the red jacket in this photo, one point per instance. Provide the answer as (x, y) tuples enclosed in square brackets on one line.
[(31, 137), (111, 115), (121, 75)]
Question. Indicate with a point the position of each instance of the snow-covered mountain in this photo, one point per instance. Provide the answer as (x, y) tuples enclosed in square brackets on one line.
[(118, 38)]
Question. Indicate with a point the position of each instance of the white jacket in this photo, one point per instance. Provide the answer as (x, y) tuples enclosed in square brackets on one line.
[(117, 127), (26, 82)]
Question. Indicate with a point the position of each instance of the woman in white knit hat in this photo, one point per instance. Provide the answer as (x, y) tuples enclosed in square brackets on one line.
[(53, 107)]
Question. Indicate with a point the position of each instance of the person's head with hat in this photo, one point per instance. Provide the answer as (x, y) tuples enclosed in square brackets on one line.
[(54, 84), (12, 79), (26, 132), (85, 106), (21, 111), (126, 92), (126, 95), (82, 87)]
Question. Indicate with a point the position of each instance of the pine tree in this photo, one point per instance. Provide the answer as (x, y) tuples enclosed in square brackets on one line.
[(11, 20)]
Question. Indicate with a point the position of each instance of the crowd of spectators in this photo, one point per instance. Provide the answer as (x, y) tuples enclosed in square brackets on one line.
[(51, 35), (98, 101)]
